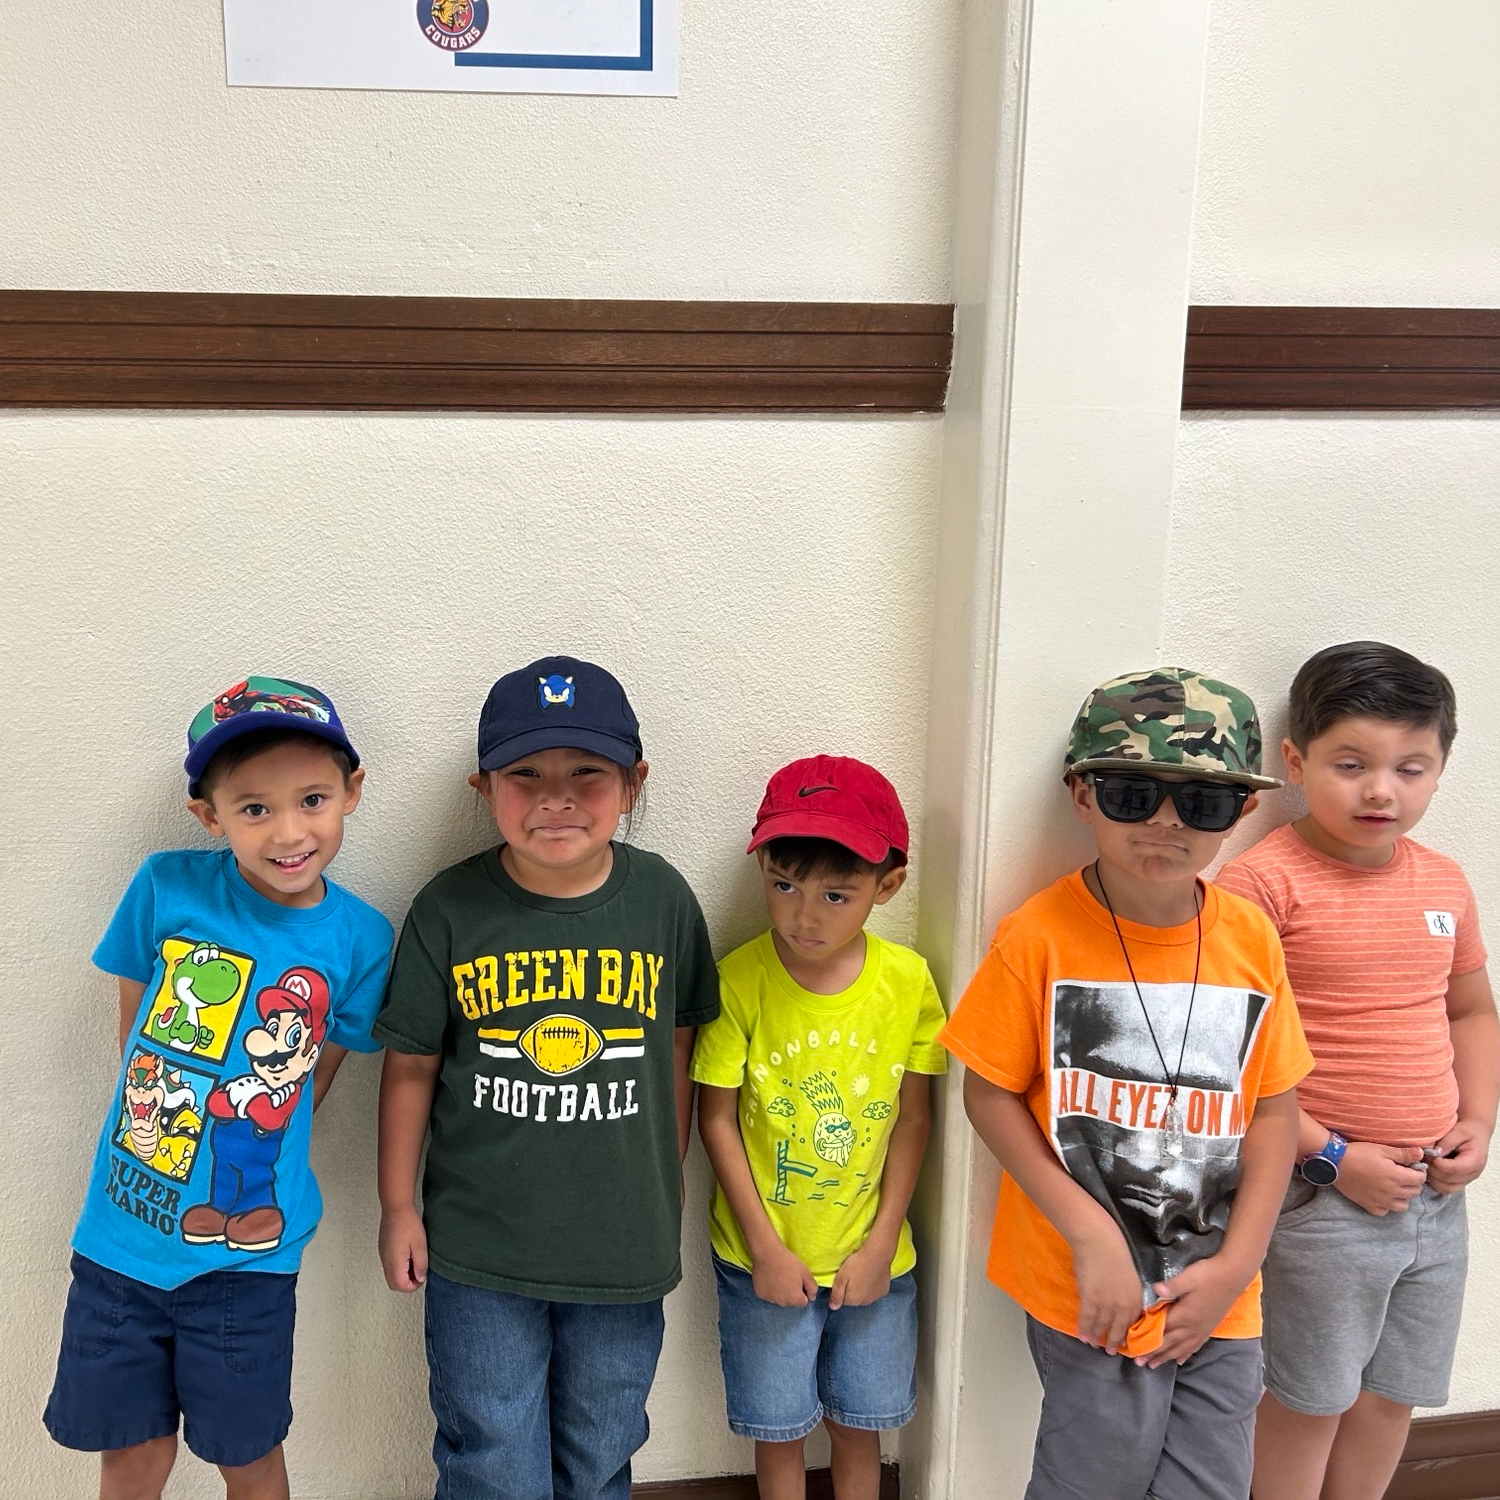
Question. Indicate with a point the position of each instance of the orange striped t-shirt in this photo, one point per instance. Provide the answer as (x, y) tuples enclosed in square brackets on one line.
[(1369, 953)]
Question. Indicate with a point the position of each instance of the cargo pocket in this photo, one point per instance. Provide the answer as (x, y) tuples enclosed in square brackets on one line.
[(260, 1312), (95, 1310)]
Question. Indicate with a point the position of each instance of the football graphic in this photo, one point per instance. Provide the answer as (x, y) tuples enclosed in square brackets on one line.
[(560, 1044)]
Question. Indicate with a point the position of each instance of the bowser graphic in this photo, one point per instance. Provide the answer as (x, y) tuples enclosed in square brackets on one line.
[(250, 1115)]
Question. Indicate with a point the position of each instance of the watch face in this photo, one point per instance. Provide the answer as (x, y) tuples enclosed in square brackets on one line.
[(1319, 1171)]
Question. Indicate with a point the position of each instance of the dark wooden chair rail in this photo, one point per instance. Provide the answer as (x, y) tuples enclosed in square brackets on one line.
[(187, 349), (1341, 358), (190, 349)]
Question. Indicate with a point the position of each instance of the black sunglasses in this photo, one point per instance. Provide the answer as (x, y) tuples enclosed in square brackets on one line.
[(1207, 806)]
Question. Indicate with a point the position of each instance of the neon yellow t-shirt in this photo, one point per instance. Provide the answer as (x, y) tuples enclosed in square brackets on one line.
[(819, 1078)]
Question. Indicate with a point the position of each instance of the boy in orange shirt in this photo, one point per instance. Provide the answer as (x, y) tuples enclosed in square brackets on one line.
[(1365, 1275), (1133, 1052)]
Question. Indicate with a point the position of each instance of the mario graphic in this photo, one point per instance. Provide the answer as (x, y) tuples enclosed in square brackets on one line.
[(250, 1114)]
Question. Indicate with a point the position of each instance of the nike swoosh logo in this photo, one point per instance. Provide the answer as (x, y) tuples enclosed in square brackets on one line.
[(807, 791)]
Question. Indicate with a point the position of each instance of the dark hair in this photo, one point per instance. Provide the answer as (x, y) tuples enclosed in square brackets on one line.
[(247, 746), (802, 858), (1368, 680)]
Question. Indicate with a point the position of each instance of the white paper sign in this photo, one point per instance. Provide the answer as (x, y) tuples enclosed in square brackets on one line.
[(480, 46)]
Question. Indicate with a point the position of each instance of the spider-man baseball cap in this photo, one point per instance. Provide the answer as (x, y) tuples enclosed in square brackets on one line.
[(833, 797), (254, 706), (557, 703)]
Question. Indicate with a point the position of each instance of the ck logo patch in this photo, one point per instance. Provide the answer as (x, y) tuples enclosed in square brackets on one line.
[(555, 691), (1441, 923)]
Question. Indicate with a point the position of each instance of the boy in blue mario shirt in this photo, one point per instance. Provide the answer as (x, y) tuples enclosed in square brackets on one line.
[(244, 977)]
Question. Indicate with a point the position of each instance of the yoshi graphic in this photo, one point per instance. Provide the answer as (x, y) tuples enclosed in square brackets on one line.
[(200, 978)]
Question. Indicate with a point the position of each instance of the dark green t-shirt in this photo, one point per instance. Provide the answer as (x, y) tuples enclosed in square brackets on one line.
[(552, 1169)]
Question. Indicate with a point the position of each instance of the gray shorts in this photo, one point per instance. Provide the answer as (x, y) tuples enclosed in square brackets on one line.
[(1358, 1302), (1111, 1429)]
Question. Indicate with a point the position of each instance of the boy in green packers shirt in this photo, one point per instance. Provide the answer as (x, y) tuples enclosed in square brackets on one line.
[(815, 1112)]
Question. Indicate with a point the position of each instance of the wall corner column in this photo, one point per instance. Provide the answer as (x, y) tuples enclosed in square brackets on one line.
[(1078, 144)]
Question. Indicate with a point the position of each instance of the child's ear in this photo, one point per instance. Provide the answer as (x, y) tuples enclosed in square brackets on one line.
[(1082, 795), (1294, 762), (353, 790), (480, 781), (202, 809), (890, 883), (635, 780), (1250, 804)]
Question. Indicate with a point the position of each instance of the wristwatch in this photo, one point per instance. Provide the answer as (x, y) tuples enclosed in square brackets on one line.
[(1322, 1167)]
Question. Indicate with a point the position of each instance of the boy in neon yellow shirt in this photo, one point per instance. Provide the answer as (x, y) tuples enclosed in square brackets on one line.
[(815, 1114)]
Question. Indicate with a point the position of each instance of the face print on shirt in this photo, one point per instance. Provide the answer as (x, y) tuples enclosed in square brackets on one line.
[(1109, 1103)]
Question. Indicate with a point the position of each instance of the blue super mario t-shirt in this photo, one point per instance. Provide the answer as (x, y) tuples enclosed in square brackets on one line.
[(202, 1165)]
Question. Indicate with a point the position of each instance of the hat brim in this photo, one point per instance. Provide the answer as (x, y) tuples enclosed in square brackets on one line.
[(260, 723), (559, 737), (863, 840), (1155, 767)]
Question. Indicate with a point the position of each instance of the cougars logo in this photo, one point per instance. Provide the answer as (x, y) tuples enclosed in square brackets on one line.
[(453, 25)]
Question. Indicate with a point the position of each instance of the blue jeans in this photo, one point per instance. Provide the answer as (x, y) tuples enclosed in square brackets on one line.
[(537, 1400)]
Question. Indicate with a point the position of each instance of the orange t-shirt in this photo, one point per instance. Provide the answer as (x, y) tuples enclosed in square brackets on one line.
[(1369, 953), (1052, 1014)]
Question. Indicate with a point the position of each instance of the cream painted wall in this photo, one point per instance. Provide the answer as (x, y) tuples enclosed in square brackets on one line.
[(809, 157), (403, 564), (762, 586), (1292, 533), (1350, 154)]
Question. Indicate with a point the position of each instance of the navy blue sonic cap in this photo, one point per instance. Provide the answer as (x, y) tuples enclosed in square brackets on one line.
[(254, 706), (557, 703)]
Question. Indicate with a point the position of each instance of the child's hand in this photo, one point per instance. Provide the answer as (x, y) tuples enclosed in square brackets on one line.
[(1381, 1179), (403, 1248), (863, 1278), (1199, 1298), (1110, 1295), (1465, 1151), (781, 1278)]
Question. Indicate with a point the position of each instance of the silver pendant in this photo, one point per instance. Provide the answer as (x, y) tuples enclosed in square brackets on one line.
[(1171, 1130)]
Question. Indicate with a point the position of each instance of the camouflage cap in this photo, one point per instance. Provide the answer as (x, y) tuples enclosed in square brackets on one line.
[(1169, 719)]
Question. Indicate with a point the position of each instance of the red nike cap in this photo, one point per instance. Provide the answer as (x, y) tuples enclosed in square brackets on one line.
[(833, 797)]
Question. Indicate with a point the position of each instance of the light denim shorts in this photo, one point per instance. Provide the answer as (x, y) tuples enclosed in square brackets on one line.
[(786, 1368), (1353, 1301)]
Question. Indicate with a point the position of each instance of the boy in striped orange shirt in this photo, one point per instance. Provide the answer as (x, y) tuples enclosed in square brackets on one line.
[(1364, 1278)]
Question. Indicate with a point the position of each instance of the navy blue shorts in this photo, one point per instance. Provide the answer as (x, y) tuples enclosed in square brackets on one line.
[(215, 1352)]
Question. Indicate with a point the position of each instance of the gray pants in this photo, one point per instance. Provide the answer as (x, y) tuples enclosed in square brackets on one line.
[(1111, 1430)]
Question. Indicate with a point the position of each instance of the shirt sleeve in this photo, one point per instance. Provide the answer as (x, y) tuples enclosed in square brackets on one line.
[(355, 1015), (722, 1047), (128, 947), (1468, 947), (927, 1054), (995, 1028), (697, 987), (1241, 880), (415, 1015), (1286, 1058)]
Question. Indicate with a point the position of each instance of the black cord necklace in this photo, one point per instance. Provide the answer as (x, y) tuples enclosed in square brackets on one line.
[(1171, 1130)]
